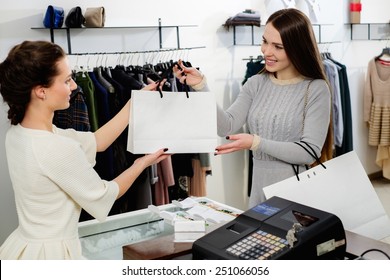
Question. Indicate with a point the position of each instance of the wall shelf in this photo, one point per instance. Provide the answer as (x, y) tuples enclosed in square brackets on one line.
[(368, 30), (316, 27), (252, 32), (159, 27), (252, 28)]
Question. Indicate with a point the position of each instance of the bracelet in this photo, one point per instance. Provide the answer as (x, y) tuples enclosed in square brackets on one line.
[(255, 143), (201, 84)]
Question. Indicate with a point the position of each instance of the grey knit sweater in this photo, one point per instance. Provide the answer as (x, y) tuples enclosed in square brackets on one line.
[(273, 109)]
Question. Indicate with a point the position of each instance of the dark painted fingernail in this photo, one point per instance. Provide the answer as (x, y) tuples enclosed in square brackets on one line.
[(215, 154), (166, 149), (227, 137)]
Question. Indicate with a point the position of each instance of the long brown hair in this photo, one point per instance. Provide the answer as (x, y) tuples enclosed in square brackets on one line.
[(301, 48)]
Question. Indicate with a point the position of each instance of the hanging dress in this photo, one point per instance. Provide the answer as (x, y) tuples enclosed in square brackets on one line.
[(377, 111)]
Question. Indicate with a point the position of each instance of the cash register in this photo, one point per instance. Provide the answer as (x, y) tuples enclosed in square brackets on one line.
[(275, 229)]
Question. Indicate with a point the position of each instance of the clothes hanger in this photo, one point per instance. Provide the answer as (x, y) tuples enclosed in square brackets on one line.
[(385, 55), (326, 54), (107, 69), (260, 58), (79, 67), (289, 3)]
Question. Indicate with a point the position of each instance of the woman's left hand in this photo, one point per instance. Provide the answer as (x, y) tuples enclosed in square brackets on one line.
[(242, 141)]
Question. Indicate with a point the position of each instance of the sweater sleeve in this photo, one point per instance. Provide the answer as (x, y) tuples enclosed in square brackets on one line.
[(368, 96), (234, 118)]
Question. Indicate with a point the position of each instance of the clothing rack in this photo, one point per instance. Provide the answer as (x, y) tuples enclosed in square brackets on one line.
[(251, 58), (135, 52), (150, 56)]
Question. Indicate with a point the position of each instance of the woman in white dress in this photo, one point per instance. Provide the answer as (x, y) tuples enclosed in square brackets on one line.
[(51, 169)]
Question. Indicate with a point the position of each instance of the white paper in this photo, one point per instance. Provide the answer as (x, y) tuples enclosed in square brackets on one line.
[(186, 203), (189, 231), (199, 212), (342, 189), (168, 216), (190, 226)]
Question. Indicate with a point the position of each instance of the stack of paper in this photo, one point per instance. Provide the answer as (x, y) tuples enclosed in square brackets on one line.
[(189, 231)]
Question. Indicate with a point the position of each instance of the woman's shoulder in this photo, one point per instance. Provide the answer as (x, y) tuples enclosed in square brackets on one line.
[(73, 134), (319, 89), (319, 82), (319, 85)]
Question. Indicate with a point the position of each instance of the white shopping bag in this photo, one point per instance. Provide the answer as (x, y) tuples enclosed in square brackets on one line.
[(342, 189), (174, 121)]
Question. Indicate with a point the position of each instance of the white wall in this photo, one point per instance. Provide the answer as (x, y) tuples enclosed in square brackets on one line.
[(221, 61)]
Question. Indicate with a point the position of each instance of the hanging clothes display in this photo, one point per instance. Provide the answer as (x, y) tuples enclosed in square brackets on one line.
[(76, 116), (101, 93), (341, 107), (253, 67), (332, 73), (104, 160), (377, 109)]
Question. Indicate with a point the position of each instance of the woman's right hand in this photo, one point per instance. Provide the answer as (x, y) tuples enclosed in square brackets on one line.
[(126, 179), (150, 159), (191, 75)]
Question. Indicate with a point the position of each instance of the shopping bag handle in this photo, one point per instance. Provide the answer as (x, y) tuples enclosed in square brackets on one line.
[(167, 74), (312, 153)]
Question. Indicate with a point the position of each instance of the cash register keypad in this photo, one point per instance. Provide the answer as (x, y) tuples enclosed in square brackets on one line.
[(259, 245)]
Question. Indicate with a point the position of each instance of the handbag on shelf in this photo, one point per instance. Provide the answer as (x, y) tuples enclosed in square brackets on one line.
[(174, 121), (95, 17), (75, 18), (54, 17)]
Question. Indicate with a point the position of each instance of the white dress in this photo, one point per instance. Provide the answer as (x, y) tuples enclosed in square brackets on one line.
[(53, 178)]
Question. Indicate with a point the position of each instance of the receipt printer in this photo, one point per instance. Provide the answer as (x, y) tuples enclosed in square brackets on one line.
[(275, 229)]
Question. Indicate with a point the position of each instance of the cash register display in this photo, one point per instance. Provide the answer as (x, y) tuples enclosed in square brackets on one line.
[(292, 216)]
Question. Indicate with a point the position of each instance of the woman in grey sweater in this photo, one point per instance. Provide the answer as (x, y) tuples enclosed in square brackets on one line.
[(288, 102)]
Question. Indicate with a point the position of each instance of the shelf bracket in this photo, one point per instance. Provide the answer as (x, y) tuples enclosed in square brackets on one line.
[(160, 27), (252, 34), (68, 40)]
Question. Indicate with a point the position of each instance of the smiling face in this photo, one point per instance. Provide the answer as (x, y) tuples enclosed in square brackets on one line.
[(276, 59), (58, 94)]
